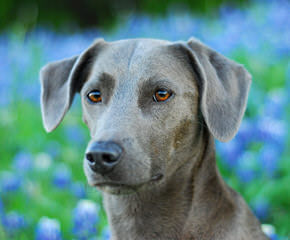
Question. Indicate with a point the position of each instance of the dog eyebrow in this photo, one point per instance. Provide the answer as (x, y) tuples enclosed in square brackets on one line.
[(103, 77), (103, 80), (157, 80)]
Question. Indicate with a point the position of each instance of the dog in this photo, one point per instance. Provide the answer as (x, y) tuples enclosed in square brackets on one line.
[(154, 108)]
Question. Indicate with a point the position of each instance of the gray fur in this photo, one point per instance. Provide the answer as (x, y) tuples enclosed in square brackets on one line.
[(166, 186)]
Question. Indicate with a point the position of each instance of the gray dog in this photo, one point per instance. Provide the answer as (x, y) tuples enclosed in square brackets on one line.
[(153, 108)]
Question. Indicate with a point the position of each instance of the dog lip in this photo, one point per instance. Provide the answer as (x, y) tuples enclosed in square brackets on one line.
[(110, 184), (155, 178)]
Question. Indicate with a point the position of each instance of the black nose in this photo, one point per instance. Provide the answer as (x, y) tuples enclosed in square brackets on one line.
[(103, 156)]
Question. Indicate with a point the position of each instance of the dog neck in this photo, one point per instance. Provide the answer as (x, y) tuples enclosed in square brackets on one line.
[(164, 212)]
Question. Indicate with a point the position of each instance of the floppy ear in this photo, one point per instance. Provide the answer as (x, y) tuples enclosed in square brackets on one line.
[(224, 87), (60, 81)]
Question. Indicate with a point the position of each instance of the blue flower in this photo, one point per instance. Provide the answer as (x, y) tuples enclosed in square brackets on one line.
[(78, 190), (261, 208), (271, 130), (53, 148), (269, 230), (275, 104), (1, 207), (269, 157), (9, 182), (13, 222), (48, 229), (230, 151), (85, 219), (42, 161), (245, 134), (75, 134), (247, 167), (22, 162), (106, 234), (62, 176)]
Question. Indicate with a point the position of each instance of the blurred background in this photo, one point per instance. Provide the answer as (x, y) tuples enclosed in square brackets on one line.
[(43, 190)]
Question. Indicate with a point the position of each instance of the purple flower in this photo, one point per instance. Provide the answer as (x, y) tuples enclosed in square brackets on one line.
[(48, 229), (62, 176), (9, 182), (13, 222), (22, 162), (85, 219)]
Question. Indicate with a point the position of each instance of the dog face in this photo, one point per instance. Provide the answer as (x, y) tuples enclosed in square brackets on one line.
[(145, 102), (154, 133)]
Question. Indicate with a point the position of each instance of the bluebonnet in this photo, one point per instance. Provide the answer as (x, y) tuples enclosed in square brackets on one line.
[(62, 176), (247, 168), (13, 222), (48, 229), (5, 97), (74, 134), (269, 156), (78, 190), (245, 134), (261, 208), (275, 104), (6, 73), (42, 161), (23, 69), (271, 130), (287, 76), (106, 234), (270, 231), (53, 148), (22, 162), (85, 219), (230, 151), (1, 207), (274, 236), (9, 182)]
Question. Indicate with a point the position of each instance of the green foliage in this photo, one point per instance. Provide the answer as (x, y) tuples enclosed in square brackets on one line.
[(69, 15)]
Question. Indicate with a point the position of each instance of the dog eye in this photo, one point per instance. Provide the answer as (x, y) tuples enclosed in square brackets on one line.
[(161, 95), (94, 96)]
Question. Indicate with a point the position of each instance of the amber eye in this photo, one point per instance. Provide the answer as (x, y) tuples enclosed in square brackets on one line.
[(94, 96), (161, 95)]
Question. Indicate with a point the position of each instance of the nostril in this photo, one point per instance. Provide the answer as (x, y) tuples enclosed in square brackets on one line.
[(90, 157), (102, 157), (108, 158)]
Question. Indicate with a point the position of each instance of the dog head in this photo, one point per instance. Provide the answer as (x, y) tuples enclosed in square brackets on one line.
[(145, 102)]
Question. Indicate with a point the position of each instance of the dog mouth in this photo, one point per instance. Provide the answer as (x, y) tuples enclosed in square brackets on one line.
[(123, 188)]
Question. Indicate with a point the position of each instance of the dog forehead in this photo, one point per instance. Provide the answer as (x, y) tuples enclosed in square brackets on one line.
[(127, 55), (137, 59)]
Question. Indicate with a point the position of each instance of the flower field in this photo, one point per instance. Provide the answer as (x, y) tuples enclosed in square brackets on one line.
[(43, 190)]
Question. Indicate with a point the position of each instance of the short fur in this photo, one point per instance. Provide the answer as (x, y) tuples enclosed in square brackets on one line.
[(167, 185)]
